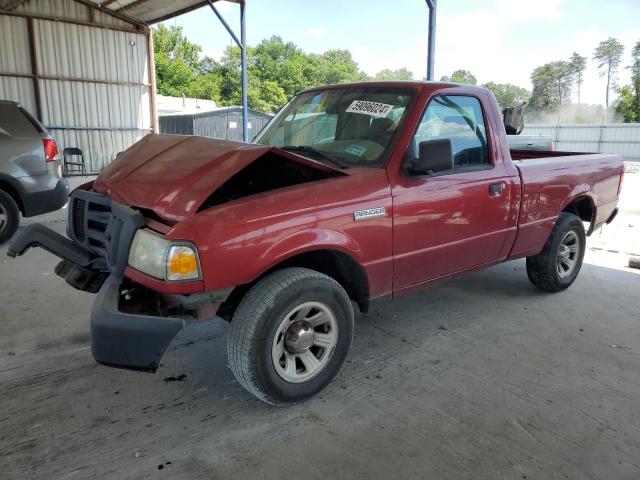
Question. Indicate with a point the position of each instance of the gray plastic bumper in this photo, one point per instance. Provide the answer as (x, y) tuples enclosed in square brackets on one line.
[(127, 340), (37, 235)]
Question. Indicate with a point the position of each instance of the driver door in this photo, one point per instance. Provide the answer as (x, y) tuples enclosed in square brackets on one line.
[(457, 219)]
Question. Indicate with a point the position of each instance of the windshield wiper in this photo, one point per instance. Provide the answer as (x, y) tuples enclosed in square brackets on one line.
[(314, 152)]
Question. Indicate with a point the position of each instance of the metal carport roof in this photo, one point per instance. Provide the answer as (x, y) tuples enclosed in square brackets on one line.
[(140, 12), (145, 12)]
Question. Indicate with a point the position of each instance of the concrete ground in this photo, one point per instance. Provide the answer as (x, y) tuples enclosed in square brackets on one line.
[(481, 377)]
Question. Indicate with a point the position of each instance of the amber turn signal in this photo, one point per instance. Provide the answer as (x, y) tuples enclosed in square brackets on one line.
[(182, 263)]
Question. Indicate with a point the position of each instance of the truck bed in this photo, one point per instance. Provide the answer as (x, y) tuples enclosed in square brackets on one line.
[(551, 180), (519, 154)]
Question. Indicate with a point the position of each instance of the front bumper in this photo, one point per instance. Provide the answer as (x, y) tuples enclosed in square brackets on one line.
[(117, 338), (128, 340)]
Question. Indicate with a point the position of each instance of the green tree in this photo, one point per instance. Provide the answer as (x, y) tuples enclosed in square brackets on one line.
[(334, 66), (460, 76), (563, 77), (628, 102), (579, 65), (635, 78), (263, 95), (388, 74), (176, 60), (277, 61), (508, 95), (551, 85), (172, 42), (625, 104), (266, 96), (609, 56)]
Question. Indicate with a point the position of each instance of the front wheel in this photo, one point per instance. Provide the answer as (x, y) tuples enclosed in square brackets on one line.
[(556, 267), (290, 335)]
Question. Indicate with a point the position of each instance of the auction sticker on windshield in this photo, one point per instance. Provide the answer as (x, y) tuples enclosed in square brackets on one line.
[(374, 109)]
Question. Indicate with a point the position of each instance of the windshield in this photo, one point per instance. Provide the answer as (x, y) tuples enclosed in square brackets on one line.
[(345, 126)]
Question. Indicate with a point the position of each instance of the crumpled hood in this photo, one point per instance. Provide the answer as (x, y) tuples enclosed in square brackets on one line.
[(173, 175)]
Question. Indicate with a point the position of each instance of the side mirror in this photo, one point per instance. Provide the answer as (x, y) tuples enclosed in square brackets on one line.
[(433, 156)]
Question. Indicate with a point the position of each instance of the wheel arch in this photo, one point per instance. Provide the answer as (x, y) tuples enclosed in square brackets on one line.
[(12, 188), (337, 264), (584, 208)]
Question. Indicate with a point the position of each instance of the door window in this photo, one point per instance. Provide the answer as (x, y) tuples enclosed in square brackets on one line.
[(457, 118)]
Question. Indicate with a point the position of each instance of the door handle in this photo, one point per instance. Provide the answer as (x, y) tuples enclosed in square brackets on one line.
[(495, 189)]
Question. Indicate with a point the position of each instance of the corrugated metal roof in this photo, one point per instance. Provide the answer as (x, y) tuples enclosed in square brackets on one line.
[(135, 11)]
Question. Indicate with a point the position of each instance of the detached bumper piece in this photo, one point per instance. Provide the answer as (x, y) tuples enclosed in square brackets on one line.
[(79, 268), (127, 340), (37, 235)]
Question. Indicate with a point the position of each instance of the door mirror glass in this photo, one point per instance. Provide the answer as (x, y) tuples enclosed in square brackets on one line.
[(434, 156), (450, 125)]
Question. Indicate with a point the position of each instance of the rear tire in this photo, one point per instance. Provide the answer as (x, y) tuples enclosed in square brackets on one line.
[(557, 266), (290, 335), (9, 217)]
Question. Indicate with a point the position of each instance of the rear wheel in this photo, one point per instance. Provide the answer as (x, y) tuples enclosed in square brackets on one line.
[(557, 266), (290, 335), (9, 217)]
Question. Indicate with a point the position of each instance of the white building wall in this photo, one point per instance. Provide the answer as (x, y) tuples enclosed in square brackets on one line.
[(93, 83), (620, 138)]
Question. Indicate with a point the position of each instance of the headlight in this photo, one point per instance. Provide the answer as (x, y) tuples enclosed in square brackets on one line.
[(152, 254)]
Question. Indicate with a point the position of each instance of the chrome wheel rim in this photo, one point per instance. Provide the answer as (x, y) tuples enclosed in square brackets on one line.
[(568, 254), (304, 342), (4, 218)]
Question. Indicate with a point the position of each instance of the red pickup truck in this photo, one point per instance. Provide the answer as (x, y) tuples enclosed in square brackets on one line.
[(351, 193)]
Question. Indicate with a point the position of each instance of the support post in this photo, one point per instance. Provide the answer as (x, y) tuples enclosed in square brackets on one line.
[(151, 66), (34, 69), (242, 43), (432, 38), (243, 66)]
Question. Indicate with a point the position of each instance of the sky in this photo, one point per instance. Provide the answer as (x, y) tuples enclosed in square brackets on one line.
[(497, 40)]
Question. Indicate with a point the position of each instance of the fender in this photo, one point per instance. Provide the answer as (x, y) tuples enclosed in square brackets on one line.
[(310, 240)]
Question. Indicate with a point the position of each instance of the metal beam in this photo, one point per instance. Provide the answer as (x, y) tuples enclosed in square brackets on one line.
[(152, 80), (34, 69), (15, 4), (177, 13), (432, 38), (140, 28), (114, 14), (74, 79), (131, 5), (242, 43), (243, 66), (225, 24)]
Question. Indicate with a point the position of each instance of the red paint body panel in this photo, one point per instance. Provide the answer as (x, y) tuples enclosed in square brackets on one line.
[(550, 184), (434, 226), (240, 240), (172, 175)]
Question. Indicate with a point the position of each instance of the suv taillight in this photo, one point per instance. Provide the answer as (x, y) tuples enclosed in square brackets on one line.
[(51, 152)]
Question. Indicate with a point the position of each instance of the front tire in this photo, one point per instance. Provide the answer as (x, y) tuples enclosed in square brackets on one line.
[(557, 266), (9, 217), (290, 335)]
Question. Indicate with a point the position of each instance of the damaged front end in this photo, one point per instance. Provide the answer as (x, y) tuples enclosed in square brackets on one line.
[(120, 240), (131, 325)]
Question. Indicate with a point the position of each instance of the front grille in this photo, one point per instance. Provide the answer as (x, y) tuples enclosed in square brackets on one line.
[(78, 218), (104, 228)]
